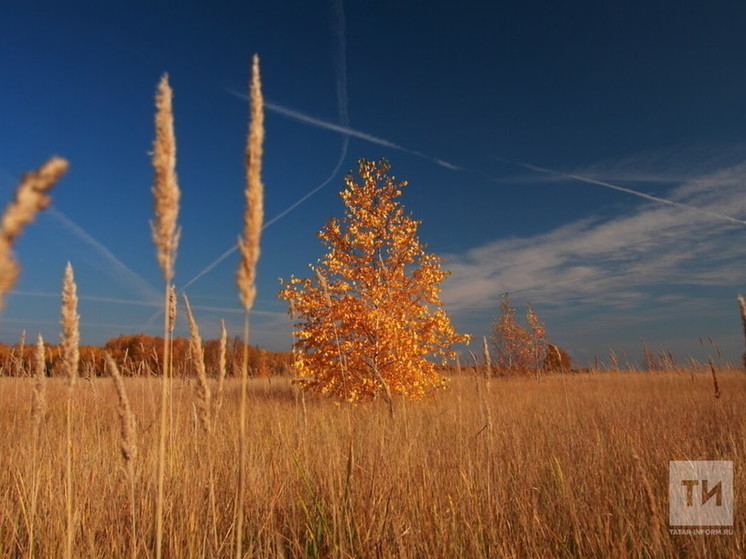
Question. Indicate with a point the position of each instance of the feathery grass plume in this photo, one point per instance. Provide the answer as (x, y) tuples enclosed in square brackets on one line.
[(70, 341), (171, 308), (254, 193), (246, 275), (166, 235), (70, 322), (126, 415), (39, 395), (166, 192), (198, 358), (30, 197), (127, 426)]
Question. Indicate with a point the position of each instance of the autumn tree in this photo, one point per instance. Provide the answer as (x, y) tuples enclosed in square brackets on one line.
[(518, 349), (369, 320)]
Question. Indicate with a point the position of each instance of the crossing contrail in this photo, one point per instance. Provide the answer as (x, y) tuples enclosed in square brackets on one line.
[(623, 189), (347, 131), (132, 278), (340, 67)]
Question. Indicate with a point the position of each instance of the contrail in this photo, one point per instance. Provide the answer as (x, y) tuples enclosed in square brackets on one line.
[(114, 300), (346, 130), (313, 121), (623, 189), (123, 271), (130, 302), (340, 66)]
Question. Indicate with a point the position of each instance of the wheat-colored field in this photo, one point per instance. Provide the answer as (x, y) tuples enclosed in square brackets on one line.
[(565, 466)]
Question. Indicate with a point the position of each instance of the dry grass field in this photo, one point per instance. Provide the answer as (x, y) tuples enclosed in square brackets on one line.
[(566, 466)]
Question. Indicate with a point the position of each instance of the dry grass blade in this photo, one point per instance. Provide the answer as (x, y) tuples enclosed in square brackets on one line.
[(222, 367), (166, 192), (31, 196), (657, 521), (128, 430), (715, 384), (742, 310), (198, 359), (126, 416)]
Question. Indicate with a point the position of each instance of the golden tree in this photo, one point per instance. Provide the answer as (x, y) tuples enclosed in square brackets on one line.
[(518, 350), (369, 321)]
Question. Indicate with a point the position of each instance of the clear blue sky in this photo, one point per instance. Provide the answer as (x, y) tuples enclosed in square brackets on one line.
[(647, 96)]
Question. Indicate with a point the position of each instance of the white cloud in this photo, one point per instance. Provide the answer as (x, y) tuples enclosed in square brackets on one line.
[(618, 261)]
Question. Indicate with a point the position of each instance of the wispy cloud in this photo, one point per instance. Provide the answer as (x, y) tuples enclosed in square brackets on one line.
[(617, 261), (626, 190)]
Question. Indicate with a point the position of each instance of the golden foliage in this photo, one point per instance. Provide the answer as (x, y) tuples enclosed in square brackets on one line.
[(519, 350), (370, 319)]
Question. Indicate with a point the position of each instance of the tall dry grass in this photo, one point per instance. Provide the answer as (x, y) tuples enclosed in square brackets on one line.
[(31, 196), (166, 234), (128, 445), (249, 248), (557, 478), (70, 342)]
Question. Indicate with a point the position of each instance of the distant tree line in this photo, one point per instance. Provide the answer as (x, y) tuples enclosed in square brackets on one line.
[(141, 355)]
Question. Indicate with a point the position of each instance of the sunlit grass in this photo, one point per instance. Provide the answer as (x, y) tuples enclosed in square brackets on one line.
[(552, 476)]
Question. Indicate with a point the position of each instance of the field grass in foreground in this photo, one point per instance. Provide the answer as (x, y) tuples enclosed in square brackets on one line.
[(522, 468)]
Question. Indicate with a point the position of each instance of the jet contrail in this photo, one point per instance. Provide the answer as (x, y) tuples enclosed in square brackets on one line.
[(313, 121), (123, 271), (96, 298), (340, 66), (623, 189), (346, 130)]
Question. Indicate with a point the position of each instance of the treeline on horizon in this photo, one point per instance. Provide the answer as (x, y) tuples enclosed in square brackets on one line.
[(142, 355)]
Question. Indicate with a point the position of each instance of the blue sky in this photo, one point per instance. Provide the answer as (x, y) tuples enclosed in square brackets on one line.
[(473, 106)]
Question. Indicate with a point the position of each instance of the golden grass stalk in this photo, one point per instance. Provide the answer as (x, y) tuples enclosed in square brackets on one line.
[(38, 410), (204, 406), (127, 421), (39, 395), (715, 384), (171, 308), (128, 430), (70, 322), (30, 197), (70, 341), (222, 367), (18, 361), (487, 358), (657, 522), (204, 394), (166, 234), (246, 275)]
